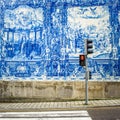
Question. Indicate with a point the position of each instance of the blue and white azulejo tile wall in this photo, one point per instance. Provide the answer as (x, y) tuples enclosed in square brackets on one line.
[(42, 39)]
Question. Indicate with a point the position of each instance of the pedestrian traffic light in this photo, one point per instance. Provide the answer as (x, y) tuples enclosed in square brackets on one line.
[(90, 75), (82, 60), (89, 46)]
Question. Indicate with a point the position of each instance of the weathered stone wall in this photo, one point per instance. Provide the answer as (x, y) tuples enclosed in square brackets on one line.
[(56, 90)]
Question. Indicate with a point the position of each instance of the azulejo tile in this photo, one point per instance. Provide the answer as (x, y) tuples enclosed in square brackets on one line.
[(43, 39)]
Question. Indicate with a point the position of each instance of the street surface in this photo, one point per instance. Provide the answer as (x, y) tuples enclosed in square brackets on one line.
[(55, 115), (100, 113), (105, 113)]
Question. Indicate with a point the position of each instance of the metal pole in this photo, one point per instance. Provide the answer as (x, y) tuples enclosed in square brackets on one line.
[(86, 75), (86, 84)]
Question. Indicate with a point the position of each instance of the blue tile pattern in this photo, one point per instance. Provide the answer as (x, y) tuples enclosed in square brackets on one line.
[(42, 39)]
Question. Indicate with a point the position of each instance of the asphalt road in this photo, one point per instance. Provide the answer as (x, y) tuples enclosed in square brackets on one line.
[(102, 113), (106, 113)]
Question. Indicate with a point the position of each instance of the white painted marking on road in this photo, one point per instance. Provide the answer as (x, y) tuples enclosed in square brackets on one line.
[(68, 118), (52, 115)]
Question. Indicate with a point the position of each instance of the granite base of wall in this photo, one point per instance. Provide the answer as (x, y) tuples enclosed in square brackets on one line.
[(28, 91)]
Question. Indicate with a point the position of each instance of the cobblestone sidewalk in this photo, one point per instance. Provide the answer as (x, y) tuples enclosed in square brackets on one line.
[(45, 106)]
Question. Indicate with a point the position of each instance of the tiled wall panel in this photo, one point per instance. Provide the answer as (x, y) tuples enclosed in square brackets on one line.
[(42, 39)]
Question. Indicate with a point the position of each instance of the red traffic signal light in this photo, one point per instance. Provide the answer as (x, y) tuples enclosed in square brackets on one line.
[(82, 60)]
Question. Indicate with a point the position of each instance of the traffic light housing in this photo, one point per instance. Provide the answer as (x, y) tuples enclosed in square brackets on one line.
[(89, 46), (82, 60), (90, 75)]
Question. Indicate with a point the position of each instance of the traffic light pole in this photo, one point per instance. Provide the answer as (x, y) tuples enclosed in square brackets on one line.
[(86, 76), (86, 82), (84, 63)]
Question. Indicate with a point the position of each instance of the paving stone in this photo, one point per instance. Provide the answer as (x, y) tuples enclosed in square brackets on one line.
[(58, 105)]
